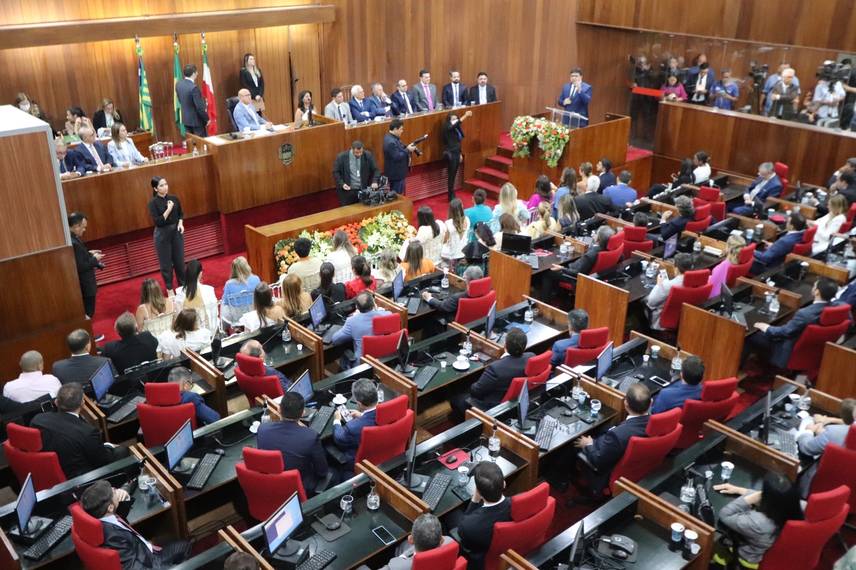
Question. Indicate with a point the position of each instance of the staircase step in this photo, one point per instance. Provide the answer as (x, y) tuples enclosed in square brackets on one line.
[(473, 183), (501, 163), (505, 151), (492, 175)]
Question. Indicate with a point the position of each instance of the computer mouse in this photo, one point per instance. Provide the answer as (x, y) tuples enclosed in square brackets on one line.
[(567, 413), (220, 451), (451, 459)]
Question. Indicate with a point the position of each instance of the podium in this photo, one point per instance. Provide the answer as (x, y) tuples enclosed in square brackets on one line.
[(568, 118)]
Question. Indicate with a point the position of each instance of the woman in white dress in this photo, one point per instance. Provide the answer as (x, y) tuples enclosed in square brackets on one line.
[(341, 256), (457, 230), (828, 225), (121, 147), (509, 204), (303, 113), (430, 234), (185, 333), (196, 295)]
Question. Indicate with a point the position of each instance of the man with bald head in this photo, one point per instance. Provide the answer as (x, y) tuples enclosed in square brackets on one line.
[(254, 348), (785, 96), (32, 384), (69, 161), (245, 114), (93, 155)]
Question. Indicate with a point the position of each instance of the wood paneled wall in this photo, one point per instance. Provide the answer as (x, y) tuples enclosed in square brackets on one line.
[(823, 24)]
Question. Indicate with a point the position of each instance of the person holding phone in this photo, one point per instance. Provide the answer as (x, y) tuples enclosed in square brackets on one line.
[(168, 217)]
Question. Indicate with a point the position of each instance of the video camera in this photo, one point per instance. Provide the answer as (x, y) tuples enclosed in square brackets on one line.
[(758, 73), (833, 71), (375, 197)]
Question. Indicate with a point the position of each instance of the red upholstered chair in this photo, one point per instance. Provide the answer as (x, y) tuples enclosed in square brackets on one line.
[(837, 466), (701, 219), (744, 264), (265, 482), (391, 411), (782, 171), (87, 534), (636, 239), (470, 310), (386, 333), (608, 259), (441, 558), (389, 437), (804, 247), (592, 341), (808, 350), (536, 373), (24, 452), (695, 291), (252, 380), (709, 193), (851, 213), (717, 400), (643, 454), (479, 287), (163, 413), (386, 324), (717, 211), (531, 515), (800, 543)]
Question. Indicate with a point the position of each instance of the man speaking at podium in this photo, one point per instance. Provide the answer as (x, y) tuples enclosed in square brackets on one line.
[(575, 98)]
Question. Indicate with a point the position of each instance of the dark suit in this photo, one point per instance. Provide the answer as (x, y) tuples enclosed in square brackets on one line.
[(419, 100), (448, 306), (86, 265), (194, 110), (128, 352), (583, 264), (779, 341), (488, 390), (77, 368), (772, 189), (133, 552), (71, 163), (449, 100), (776, 253), (476, 530), (87, 161), (377, 106), (347, 436), (473, 94), (360, 110), (452, 137), (592, 203), (399, 105), (579, 103), (607, 179), (396, 161), (607, 449), (99, 119), (77, 443), (849, 294), (369, 175), (300, 447), (674, 226), (248, 83)]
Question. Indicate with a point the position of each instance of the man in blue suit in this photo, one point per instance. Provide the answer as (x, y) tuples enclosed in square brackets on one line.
[(379, 104), (347, 436), (577, 321), (245, 115), (401, 102), (300, 445), (778, 341), (776, 253), (454, 92), (361, 111), (396, 156), (359, 325), (184, 378), (848, 294), (688, 388), (621, 194), (767, 185), (92, 154), (575, 97)]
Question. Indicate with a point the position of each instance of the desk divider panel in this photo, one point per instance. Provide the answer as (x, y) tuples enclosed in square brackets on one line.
[(517, 443), (771, 230), (8, 557), (717, 340), (511, 560), (606, 305), (556, 316), (170, 489), (786, 298), (755, 451), (479, 342), (310, 340), (615, 223), (808, 212), (234, 539), (653, 508), (93, 414), (213, 376), (394, 381), (660, 207), (820, 400), (512, 278), (391, 306), (401, 499), (837, 375), (835, 272)]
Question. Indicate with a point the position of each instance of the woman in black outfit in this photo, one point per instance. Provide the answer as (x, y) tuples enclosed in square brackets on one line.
[(168, 218), (332, 292), (252, 79), (452, 136), (684, 176)]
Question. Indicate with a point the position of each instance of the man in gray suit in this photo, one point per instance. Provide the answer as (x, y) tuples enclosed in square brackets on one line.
[(337, 109), (427, 534), (194, 110), (424, 93), (825, 430)]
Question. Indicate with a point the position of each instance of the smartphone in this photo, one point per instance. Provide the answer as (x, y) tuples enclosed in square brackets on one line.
[(345, 412), (383, 535)]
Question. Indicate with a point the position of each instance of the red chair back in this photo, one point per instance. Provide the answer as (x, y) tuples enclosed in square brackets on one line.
[(808, 350), (837, 466), (250, 374), (846, 226), (382, 345), (709, 193), (717, 211), (531, 515), (804, 247), (592, 342), (87, 534), (386, 324), (695, 291), (701, 219), (801, 542), (636, 239), (479, 287), (383, 442), (717, 400), (608, 259), (470, 309), (644, 454), (163, 413), (782, 171), (443, 557), (537, 371), (391, 410), (24, 452), (744, 264), (265, 482)]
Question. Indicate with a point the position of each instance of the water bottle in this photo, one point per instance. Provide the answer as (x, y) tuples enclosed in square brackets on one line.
[(677, 361), (688, 492), (651, 270), (493, 445), (195, 150), (848, 250), (529, 315), (774, 305), (205, 149), (769, 301), (444, 283), (697, 247), (286, 335), (373, 500), (468, 345), (265, 416)]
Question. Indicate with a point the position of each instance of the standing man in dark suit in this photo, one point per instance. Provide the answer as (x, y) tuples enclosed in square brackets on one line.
[(482, 92), (300, 446), (347, 436), (86, 260), (767, 185), (354, 170), (69, 161), (575, 98), (776, 253), (454, 92), (487, 507), (778, 341), (133, 348), (81, 365), (76, 442), (396, 156), (400, 101), (424, 93), (194, 110), (102, 501)]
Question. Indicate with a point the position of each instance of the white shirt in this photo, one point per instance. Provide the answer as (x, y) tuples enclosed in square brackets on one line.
[(456, 98), (209, 299), (701, 173), (431, 246), (30, 386), (171, 346), (250, 321), (114, 520), (826, 227), (407, 101), (454, 248), (482, 94), (341, 261), (486, 503)]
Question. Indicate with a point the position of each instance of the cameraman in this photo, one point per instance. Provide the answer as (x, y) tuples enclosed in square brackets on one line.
[(354, 170), (849, 87), (86, 260), (828, 94)]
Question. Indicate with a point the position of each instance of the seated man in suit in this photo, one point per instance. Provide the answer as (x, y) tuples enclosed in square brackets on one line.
[(77, 443), (825, 430), (401, 101), (245, 114), (592, 203), (847, 294), (426, 534), (360, 110), (599, 455), (93, 155), (454, 92), (424, 93), (777, 342), (656, 300), (241, 561), (101, 501), (675, 225), (776, 252), (482, 92), (575, 98), (578, 320), (69, 161), (448, 307), (354, 170), (621, 194), (379, 104), (300, 446), (133, 348), (32, 384), (585, 263), (487, 507), (347, 436), (81, 365), (767, 185), (688, 388), (358, 325), (254, 348), (337, 108), (184, 378)]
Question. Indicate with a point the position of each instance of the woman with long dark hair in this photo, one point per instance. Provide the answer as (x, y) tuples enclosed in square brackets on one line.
[(362, 277), (305, 109), (332, 292), (185, 333), (253, 80), (429, 233), (265, 312), (452, 137), (198, 296), (165, 211), (415, 263)]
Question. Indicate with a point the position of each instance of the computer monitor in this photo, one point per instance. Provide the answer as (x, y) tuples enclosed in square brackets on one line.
[(578, 548), (402, 351), (26, 503), (765, 427), (670, 247), (491, 321), (516, 244), (604, 362), (179, 444), (102, 380), (317, 311), (523, 405), (397, 286), (303, 386), (282, 524)]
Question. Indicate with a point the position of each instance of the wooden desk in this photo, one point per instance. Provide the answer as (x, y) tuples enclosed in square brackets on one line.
[(261, 240)]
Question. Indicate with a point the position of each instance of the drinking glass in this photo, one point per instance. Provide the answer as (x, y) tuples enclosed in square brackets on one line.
[(346, 504)]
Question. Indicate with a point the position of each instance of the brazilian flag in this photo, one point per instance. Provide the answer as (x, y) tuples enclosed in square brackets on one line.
[(146, 121), (176, 77)]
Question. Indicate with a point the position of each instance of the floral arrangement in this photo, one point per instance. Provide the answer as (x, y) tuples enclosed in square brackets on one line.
[(369, 236), (552, 137)]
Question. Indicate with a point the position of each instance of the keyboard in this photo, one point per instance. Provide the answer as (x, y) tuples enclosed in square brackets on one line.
[(787, 442), (436, 489), (50, 539), (328, 334), (203, 471), (321, 418), (125, 410), (318, 560), (424, 376), (545, 432), (413, 305)]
